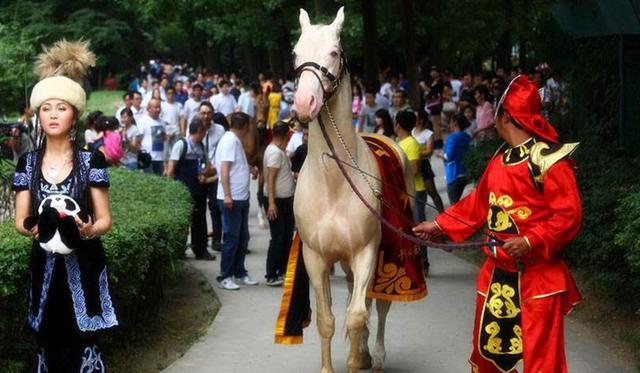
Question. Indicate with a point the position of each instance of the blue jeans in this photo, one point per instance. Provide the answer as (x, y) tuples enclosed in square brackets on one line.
[(235, 239), (131, 165)]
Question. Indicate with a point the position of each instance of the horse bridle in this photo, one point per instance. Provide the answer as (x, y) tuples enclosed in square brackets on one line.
[(320, 71)]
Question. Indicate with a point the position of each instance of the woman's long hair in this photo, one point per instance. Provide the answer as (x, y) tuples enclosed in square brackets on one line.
[(78, 191), (387, 123)]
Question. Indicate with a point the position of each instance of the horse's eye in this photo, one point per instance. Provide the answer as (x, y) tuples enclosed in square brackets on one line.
[(334, 54)]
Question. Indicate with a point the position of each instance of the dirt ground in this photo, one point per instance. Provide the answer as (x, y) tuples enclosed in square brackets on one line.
[(188, 309)]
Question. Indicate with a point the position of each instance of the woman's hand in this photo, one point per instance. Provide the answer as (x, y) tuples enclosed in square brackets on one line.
[(34, 232), (87, 230)]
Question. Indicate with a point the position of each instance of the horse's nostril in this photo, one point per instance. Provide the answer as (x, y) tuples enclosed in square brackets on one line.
[(312, 102)]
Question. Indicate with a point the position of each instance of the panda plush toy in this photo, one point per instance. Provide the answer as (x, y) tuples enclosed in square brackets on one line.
[(57, 227)]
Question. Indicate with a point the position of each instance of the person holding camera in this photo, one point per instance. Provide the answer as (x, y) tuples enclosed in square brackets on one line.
[(188, 163), (20, 140)]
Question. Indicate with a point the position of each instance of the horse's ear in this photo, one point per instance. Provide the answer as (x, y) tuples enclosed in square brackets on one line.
[(337, 23), (304, 19)]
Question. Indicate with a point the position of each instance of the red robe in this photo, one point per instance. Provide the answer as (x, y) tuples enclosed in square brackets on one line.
[(528, 191)]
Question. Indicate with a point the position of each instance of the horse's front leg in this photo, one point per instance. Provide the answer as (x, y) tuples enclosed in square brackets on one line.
[(379, 353), (318, 271), (362, 266)]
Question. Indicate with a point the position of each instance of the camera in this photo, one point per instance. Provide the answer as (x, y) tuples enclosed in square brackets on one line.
[(7, 132), (6, 129)]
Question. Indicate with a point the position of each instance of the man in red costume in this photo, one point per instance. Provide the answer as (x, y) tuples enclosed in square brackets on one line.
[(529, 200)]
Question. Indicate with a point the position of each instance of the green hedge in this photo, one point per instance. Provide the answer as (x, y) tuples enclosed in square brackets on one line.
[(151, 217)]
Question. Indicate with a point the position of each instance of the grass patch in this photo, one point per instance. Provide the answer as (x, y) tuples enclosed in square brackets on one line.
[(188, 308), (106, 101)]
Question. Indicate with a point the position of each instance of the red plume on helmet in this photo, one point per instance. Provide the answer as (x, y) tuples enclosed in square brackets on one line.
[(523, 103)]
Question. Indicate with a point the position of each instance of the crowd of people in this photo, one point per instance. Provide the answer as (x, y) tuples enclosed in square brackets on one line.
[(173, 120), (196, 130), (214, 134)]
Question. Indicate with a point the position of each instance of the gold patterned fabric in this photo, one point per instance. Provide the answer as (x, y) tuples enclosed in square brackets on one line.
[(500, 332), (399, 275)]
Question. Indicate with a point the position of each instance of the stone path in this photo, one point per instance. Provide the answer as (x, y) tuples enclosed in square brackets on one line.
[(432, 335)]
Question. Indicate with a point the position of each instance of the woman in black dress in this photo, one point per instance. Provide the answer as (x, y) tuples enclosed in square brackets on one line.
[(69, 299)]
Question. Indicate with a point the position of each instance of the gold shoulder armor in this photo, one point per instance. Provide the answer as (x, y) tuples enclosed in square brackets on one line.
[(543, 156)]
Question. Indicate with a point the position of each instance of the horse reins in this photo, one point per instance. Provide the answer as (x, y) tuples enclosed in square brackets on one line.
[(313, 68)]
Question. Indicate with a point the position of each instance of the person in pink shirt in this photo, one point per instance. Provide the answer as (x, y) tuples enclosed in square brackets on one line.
[(484, 114)]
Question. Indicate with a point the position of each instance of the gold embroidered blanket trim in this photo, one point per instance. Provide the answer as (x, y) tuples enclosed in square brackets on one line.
[(295, 308)]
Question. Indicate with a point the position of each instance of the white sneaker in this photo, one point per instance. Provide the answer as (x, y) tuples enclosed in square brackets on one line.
[(274, 282), (228, 284), (247, 280)]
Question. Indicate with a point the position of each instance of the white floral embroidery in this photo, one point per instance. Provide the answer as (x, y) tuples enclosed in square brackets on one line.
[(84, 321), (92, 361), (42, 363), (35, 319)]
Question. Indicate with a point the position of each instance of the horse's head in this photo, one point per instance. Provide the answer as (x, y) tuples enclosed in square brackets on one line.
[(319, 61)]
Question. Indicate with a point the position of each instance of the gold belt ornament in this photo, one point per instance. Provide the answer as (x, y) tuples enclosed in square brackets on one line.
[(500, 331)]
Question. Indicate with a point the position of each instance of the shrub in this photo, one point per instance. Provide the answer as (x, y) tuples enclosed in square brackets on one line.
[(151, 218)]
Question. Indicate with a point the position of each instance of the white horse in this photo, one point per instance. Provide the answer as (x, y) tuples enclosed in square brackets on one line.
[(333, 222)]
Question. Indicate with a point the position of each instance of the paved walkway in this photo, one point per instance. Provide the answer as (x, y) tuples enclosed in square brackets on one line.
[(432, 335)]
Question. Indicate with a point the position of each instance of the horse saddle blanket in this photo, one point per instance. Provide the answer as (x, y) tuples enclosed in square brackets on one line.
[(398, 275)]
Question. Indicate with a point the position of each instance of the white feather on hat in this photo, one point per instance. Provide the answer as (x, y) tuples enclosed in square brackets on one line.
[(61, 69)]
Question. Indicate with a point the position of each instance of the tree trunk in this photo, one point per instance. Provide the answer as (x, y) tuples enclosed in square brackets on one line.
[(409, 44), (522, 55), (505, 44), (249, 62), (369, 41)]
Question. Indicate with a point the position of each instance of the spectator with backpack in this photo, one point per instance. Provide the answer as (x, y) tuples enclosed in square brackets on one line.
[(188, 163)]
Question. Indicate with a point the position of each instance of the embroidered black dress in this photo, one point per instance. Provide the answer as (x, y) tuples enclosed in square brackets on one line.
[(69, 299)]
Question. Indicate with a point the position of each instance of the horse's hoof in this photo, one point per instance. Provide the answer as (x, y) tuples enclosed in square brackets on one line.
[(365, 361), (377, 370)]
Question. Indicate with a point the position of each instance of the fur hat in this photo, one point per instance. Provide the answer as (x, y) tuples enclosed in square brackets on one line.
[(61, 69)]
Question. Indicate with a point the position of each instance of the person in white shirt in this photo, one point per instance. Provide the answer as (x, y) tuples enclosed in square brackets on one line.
[(171, 114), (367, 120), (154, 135), (127, 98), (233, 201), (246, 101), (224, 102), (143, 87), (295, 140), (211, 140), (136, 106), (456, 86), (278, 189), (191, 107)]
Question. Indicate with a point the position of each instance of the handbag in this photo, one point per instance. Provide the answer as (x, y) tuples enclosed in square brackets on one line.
[(144, 160)]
